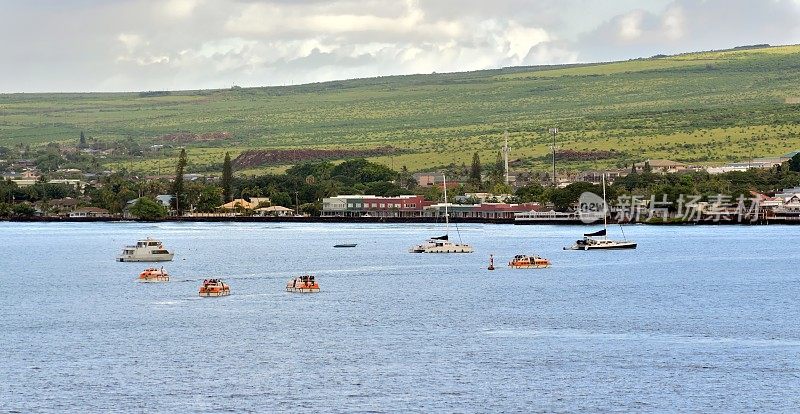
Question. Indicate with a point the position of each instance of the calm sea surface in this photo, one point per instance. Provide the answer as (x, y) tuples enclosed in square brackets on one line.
[(697, 319)]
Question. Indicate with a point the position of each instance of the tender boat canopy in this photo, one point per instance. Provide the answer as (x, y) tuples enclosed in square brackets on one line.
[(595, 234)]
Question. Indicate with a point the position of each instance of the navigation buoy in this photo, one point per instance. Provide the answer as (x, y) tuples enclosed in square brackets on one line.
[(491, 262)]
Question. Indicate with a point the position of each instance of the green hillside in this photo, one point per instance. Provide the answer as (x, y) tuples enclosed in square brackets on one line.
[(708, 107)]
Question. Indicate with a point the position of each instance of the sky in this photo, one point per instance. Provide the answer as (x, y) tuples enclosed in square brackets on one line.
[(136, 45)]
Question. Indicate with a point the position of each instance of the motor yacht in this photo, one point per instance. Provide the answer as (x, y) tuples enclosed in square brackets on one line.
[(147, 250)]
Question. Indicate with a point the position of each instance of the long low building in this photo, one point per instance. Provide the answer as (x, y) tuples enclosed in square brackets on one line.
[(373, 206), (415, 206), (479, 211)]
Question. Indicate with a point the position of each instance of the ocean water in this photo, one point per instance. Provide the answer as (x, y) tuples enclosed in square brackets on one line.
[(698, 319)]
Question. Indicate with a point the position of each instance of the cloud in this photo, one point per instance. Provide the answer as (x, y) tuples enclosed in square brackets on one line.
[(629, 25), (189, 44), (179, 8), (688, 25)]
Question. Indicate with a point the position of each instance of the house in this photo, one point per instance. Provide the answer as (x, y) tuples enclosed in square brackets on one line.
[(165, 200), (428, 179), (788, 156), (78, 184), (241, 203), (482, 197), (89, 212), (238, 203), (29, 174), (596, 177), (661, 166), (274, 211), (63, 205), (25, 182)]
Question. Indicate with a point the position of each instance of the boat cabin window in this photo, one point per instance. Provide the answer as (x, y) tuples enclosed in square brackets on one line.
[(141, 244), (160, 252), (152, 243)]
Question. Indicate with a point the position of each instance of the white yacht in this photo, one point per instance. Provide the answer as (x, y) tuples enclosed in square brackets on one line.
[(592, 241), (442, 244), (599, 239), (147, 250)]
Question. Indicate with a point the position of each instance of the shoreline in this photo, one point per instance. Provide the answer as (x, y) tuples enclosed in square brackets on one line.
[(380, 220)]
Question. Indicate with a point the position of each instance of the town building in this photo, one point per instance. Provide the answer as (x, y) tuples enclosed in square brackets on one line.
[(480, 198), (479, 211), (165, 200), (241, 203), (661, 166), (416, 206), (274, 211), (373, 206), (596, 177), (89, 212), (428, 179), (63, 205)]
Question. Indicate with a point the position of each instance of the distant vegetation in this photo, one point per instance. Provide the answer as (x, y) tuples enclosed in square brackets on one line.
[(709, 107)]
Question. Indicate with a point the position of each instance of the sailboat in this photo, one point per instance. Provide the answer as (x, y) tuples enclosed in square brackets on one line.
[(442, 244), (599, 240)]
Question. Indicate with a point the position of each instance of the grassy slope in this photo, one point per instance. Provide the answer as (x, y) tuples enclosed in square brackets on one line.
[(703, 107)]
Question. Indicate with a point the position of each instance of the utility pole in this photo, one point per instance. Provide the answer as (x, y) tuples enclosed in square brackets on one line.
[(554, 131), (296, 204), (506, 151)]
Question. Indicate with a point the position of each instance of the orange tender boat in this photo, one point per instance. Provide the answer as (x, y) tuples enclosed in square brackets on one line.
[(522, 261), (153, 274), (303, 284), (213, 288)]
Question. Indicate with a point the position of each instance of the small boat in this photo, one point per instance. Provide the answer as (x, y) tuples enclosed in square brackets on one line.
[(522, 261), (303, 284), (599, 240), (590, 242), (147, 250), (214, 288), (345, 245), (154, 274), (442, 244)]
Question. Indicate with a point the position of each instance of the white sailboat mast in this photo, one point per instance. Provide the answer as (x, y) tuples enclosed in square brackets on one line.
[(446, 215), (506, 152), (605, 208)]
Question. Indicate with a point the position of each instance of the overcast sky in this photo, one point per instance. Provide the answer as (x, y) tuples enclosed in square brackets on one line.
[(133, 45)]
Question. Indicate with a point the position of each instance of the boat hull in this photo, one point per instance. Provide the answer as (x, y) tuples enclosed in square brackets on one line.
[(529, 266), (302, 289), (214, 294), (157, 279), (444, 249), (615, 246), (159, 258), (619, 246)]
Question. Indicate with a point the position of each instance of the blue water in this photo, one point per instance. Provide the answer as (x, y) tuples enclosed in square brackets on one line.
[(697, 319)]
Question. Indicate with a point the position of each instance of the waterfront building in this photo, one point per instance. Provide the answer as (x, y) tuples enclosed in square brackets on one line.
[(241, 203), (274, 211), (480, 211), (373, 206), (89, 212)]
